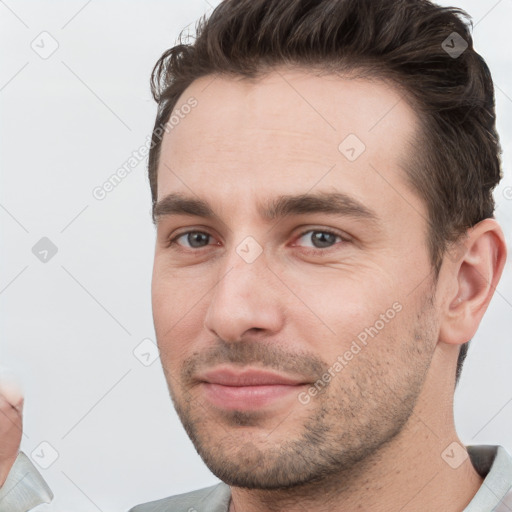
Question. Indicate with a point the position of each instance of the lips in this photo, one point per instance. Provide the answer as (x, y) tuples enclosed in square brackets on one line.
[(249, 389), (250, 377)]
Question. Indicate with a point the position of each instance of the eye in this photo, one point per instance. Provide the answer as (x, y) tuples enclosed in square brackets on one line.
[(321, 239), (194, 239)]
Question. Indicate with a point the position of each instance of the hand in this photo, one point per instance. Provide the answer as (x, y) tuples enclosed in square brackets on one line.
[(11, 414)]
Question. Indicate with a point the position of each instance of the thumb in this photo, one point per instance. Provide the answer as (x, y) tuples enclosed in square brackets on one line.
[(11, 390)]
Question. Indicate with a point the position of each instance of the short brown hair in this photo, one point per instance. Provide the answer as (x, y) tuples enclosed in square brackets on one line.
[(456, 163)]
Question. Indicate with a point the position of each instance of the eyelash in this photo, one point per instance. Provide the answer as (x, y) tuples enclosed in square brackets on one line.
[(308, 250)]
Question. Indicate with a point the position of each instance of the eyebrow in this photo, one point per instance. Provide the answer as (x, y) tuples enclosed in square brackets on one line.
[(332, 203)]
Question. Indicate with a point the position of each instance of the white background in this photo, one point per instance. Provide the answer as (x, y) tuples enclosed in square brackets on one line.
[(70, 326)]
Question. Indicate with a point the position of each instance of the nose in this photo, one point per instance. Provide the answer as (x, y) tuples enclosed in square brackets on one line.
[(246, 297)]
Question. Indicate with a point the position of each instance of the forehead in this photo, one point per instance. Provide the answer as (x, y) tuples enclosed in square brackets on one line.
[(283, 132), (320, 107)]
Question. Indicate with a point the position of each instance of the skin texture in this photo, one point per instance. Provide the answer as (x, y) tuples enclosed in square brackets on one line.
[(372, 439)]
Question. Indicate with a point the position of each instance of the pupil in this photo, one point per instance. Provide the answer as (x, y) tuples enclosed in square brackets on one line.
[(319, 237), (194, 237)]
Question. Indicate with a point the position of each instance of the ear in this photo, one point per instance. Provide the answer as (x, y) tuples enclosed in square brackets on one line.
[(475, 271)]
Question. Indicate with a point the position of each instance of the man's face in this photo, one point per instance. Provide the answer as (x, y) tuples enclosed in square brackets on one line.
[(293, 345)]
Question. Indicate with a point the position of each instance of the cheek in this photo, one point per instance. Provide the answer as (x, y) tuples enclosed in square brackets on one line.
[(343, 297), (178, 312), (173, 292), (342, 315)]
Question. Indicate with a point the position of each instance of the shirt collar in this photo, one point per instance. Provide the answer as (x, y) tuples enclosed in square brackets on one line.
[(494, 464)]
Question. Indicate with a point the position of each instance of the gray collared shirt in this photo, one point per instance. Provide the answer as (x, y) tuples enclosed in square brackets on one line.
[(25, 488)]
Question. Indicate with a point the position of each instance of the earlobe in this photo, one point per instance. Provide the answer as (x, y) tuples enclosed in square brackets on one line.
[(476, 273)]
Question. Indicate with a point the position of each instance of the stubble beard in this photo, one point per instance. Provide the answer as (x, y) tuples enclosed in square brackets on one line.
[(364, 408)]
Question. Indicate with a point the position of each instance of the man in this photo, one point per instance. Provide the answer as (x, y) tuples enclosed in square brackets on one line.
[(322, 177)]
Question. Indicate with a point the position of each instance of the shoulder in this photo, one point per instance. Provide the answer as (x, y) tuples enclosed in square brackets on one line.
[(210, 499)]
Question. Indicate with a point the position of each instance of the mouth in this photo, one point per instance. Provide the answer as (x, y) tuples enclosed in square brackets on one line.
[(249, 389)]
